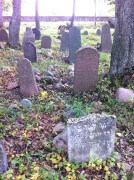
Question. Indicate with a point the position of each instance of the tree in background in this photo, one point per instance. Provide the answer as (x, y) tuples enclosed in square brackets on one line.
[(14, 27), (1, 18), (73, 15), (37, 21), (122, 56)]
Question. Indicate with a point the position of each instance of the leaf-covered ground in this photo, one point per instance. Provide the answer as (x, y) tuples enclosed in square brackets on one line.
[(27, 135)]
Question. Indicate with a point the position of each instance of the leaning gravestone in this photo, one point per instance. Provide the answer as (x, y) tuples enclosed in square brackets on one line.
[(74, 43), (27, 81), (46, 42), (106, 41), (30, 52), (86, 69), (4, 36), (64, 42), (28, 36), (37, 33), (3, 160), (91, 136)]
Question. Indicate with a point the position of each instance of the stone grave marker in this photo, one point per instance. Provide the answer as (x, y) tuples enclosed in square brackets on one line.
[(30, 52), (106, 41), (28, 36), (4, 36), (86, 69), (36, 33), (3, 160), (74, 43), (28, 29), (64, 46), (27, 81), (91, 136), (98, 32), (46, 42)]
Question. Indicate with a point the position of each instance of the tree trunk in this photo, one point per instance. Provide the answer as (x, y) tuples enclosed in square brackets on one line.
[(37, 22), (1, 15), (73, 15), (122, 56), (14, 27), (95, 13)]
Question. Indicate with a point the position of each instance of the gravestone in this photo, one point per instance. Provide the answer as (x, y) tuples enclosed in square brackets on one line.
[(86, 69), (27, 81), (28, 29), (36, 33), (3, 36), (91, 136), (46, 42), (74, 43), (3, 160), (98, 32), (106, 41), (85, 32), (28, 36), (30, 52), (64, 42)]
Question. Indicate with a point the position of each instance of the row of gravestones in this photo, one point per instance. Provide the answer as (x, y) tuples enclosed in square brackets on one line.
[(85, 71), (71, 40), (86, 65)]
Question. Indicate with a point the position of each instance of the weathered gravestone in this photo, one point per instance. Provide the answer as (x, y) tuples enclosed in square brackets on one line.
[(86, 69), (28, 29), (27, 81), (98, 32), (74, 43), (3, 35), (30, 52), (91, 136), (37, 33), (3, 160), (28, 36), (106, 41), (64, 42), (46, 42)]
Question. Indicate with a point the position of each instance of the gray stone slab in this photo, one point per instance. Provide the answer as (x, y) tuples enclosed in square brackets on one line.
[(27, 81), (30, 52), (106, 40), (86, 69), (28, 37), (91, 136), (3, 160), (46, 42), (4, 35), (74, 43), (64, 46)]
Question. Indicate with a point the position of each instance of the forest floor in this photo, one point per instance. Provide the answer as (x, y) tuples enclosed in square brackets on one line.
[(27, 135)]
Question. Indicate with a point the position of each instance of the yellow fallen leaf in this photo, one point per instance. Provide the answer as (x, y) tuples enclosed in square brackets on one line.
[(44, 94)]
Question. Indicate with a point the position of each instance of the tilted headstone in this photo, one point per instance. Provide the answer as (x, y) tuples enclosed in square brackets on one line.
[(64, 42), (28, 36), (4, 36), (91, 136), (106, 41), (46, 42), (37, 33), (3, 160), (27, 81), (86, 69), (30, 52), (74, 43), (98, 32)]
